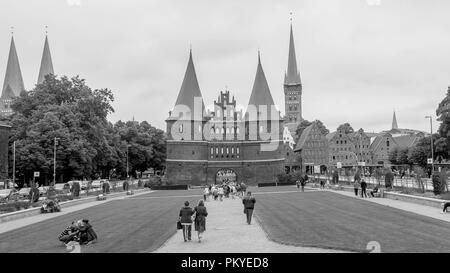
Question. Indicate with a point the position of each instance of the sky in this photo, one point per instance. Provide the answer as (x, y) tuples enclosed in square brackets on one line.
[(358, 59)]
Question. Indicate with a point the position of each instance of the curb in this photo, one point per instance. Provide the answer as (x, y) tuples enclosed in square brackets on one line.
[(36, 211)]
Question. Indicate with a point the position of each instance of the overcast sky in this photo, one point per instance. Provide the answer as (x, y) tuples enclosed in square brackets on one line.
[(358, 59)]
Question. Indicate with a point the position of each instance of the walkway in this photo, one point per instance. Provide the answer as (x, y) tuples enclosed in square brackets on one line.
[(228, 232), (402, 205)]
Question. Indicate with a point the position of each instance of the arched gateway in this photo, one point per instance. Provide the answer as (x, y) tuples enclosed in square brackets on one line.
[(226, 176)]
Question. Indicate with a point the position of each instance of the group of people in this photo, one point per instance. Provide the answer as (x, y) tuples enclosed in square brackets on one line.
[(302, 182), (363, 186), (197, 216), (80, 231), (218, 192)]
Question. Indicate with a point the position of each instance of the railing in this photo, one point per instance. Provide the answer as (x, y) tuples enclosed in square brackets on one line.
[(397, 182)]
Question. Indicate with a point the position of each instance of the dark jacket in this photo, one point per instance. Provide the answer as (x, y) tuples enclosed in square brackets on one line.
[(186, 214), (200, 218), (363, 185), (249, 202), (87, 234)]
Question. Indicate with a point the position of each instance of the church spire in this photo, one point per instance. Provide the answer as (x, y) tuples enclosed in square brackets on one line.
[(46, 62), (292, 76), (394, 122), (261, 93), (13, 83), (190, 91)]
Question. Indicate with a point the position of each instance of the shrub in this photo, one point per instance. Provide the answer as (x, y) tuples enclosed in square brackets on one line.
[(439, 183), (388, 179), (75, 189)]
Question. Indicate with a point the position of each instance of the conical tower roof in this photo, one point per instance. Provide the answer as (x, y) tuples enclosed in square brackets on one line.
[(46, 63), (292, 76), (394, 122), (190, 94), (13, 82), (261, 95)]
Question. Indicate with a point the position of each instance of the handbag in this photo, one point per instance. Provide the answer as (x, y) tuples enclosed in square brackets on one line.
[(179, 226)]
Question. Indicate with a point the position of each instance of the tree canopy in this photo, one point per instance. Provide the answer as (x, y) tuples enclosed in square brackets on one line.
[(87, 145), (346, 128), (305, 123)]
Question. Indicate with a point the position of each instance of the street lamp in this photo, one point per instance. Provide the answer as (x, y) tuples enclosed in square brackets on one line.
[(14, 163), (432, 149), (128, 176), (54, 160)]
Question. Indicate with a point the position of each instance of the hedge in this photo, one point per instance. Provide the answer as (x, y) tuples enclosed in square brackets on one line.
[(170, 187), (273, 184)]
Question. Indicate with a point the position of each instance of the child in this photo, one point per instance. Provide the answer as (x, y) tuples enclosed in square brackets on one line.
[(69, 234), (87, 233)]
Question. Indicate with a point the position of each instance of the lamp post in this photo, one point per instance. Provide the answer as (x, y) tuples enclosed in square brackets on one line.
[(14, 163), (432, 147), (128, 176), (54, 160)]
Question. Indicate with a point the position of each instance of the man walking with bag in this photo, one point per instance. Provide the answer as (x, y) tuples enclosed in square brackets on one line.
[(249, 205)]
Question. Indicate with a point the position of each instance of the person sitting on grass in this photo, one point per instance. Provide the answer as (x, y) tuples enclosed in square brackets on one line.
[(87, 233), (445, 205), (70, 234)]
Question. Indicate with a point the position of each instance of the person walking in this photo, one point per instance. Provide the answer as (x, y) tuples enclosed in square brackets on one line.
[(356, 187), (220, 192), (363, 188), (298, 184), (249, 205), (303, 183), (186, 213), (200, 219), (206, 194)]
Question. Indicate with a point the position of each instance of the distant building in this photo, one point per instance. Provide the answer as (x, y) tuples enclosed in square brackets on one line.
[(380, 147), (362, 147), (313, 148), (396, 131), (341, 149)]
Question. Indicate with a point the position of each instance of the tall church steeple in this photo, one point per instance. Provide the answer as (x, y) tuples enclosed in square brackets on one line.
[(13, 84), (261, 95), (394, 122), (190, 95), (292, 76), (292, 89), (46, 62)]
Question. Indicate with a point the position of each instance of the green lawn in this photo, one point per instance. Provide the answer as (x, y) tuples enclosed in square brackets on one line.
[(138, 224), (329, 220)]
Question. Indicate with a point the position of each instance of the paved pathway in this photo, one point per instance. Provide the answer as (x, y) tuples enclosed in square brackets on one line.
[(429, 211), (227, 231), (15, 224)]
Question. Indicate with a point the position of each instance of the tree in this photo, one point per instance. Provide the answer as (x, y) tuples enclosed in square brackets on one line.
[(402, 156), (393, 154), (346, 128), (300, 128), (421, 151)]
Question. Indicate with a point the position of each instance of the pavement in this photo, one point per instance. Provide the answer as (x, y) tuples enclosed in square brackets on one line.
[(228, 232), (15, 224), (402, 205)]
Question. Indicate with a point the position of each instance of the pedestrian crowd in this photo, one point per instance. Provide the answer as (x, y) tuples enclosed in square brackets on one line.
[(196, 216)]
